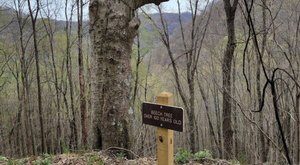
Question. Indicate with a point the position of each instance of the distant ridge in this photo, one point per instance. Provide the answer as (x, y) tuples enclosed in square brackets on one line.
[(172, 20)]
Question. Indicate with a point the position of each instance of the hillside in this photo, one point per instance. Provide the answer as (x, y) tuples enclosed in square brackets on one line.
[(7, 17), (171, 20)]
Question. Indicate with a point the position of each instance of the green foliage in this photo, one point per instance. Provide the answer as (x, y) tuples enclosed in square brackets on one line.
[(66, 149), (13, 162), (202, 154), (235, 162), (94, 159), (242, 159), (46, 159), (46, 156), (120, 155), (183, 156), (2, 158)]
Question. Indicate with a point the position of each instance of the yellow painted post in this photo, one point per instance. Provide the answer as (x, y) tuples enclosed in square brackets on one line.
[(164, 137)]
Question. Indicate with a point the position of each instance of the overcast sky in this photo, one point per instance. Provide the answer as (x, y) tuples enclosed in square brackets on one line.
[(171, 6)]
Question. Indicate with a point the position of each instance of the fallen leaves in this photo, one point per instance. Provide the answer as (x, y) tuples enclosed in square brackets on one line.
[(96, 158)]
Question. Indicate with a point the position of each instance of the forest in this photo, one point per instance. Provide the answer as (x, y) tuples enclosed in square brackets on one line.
[(74, 75)]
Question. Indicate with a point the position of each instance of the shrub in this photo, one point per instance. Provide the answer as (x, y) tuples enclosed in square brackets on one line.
[(202, 154), (2, 158), (66, 149), (120, 155), (46, 161), (235, 162), (13, 162), (183, 156), (94, 159)]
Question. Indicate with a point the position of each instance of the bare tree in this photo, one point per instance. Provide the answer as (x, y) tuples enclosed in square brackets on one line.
[(263, 151), (24, 126), (33, 15), (192, 41), (82, 96), (273, 80), (69, 66), (230, 10), (50, 32)]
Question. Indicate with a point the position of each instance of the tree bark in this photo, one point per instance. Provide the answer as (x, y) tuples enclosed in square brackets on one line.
[(82, 97), (297, 107), (137, 65), (112, 28), (263, 149), (226, 72), (235, 114)]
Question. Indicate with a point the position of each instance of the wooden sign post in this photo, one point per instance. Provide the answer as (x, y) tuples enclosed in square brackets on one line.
[(165, 137), (166, 118)]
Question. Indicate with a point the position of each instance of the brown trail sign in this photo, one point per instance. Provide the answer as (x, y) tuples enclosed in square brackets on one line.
[(163, 116), (167, 118)]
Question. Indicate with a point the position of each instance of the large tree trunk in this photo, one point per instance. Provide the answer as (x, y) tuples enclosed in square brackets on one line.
[(226, 70), (113, 28)]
